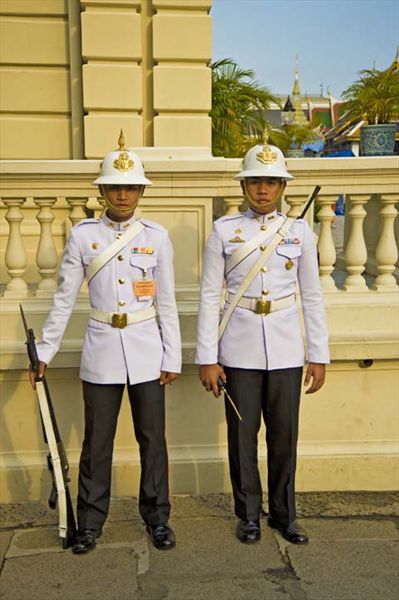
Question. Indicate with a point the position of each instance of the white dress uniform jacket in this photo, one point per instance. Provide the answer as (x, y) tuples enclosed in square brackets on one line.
[(141, 350), (253, 341)]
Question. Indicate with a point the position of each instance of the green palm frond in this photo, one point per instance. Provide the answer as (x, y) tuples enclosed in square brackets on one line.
[(238, 102), (374, 97)]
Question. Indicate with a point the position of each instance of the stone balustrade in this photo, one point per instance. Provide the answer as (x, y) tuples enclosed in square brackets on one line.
[(43, 194)]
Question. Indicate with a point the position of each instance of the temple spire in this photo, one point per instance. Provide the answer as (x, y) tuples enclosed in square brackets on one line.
[(295, 90), (298, 116)]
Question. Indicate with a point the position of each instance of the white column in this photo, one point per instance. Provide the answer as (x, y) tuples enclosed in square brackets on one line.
[(232, 205), (46, 255), (15, 256), (326, 246), (356, 250), (386, 253)]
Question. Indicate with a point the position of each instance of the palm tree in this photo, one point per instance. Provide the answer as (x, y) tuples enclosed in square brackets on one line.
[(238, 105), (374, 97)]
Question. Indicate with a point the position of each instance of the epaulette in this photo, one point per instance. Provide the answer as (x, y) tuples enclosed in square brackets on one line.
[(152, 224), (229, 217), (87, 222)]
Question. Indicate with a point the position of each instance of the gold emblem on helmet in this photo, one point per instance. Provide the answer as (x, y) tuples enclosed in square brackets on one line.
[(267, 156), (123, 162)]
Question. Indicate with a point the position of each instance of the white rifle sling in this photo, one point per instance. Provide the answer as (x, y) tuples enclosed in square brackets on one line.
[(113, 249), (245, 249), (55, 457), (264, 257)]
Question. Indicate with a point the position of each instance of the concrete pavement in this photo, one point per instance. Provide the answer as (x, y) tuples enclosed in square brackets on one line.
[(352, 555)]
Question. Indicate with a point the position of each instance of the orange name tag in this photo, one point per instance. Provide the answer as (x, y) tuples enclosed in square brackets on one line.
[(144, 287)]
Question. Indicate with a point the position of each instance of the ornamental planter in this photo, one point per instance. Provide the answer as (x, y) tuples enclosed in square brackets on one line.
[(377, 140), (295, 153)]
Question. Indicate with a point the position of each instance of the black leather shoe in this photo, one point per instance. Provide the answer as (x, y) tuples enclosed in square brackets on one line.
[(162, 536), (248, 532), (293, 533), (85, 541)]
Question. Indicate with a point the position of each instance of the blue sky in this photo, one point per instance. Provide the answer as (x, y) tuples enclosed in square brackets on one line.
[(334, 39)]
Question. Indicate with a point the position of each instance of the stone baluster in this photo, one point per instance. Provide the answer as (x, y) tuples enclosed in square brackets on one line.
[(296, 203), (77, 209), (15, 256), (232, 204), (94, 209), (46, 255), (386, 253), (76, 213), (99, 213), (326, 246), (356, 250)]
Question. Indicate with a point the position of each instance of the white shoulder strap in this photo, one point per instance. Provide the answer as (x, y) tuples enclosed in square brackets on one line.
[(264, 257), (113, 249), (245, 249)]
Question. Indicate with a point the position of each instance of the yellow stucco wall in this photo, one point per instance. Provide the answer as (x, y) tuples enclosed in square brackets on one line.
[(74, 72), (35, 102), (347, 434)]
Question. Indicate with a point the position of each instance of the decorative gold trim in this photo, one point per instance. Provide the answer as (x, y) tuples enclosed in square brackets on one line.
[(267, 156), (123, 162)]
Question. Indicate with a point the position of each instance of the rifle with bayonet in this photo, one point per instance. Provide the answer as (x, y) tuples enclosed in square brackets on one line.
[(57, 462), (309, 203)]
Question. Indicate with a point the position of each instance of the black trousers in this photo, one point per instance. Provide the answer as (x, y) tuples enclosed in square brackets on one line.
[(102, 405), (275, 394)]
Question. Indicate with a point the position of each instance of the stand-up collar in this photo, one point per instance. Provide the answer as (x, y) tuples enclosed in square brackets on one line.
[(118, 226), (251, 214)]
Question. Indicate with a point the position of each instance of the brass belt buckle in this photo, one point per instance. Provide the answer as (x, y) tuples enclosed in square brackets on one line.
[(119, 320), (263, 307)]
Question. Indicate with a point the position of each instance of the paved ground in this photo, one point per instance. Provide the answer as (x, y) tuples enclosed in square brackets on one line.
[(352, 555)]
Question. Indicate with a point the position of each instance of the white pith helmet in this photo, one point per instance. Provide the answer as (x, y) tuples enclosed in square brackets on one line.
[(122, 167), (264, 161)]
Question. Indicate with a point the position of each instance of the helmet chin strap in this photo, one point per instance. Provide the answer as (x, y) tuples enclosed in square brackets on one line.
[(275, 202), (118, 209)]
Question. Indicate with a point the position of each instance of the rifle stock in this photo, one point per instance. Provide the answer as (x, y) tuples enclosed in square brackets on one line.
[(57, 462)]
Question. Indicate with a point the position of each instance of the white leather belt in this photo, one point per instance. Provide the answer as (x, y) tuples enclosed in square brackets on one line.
[(121, 320), (262, 307)]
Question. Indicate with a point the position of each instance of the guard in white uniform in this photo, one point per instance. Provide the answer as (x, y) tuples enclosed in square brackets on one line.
[(262, 259), (128, 264)]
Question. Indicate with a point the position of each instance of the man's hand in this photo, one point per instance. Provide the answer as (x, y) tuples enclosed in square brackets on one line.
[(316, 375), (209, 375), (32, 374), (167, 377)]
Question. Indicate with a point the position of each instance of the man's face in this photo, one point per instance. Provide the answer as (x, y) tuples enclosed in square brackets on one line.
[(263, 193), (121, 200)]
